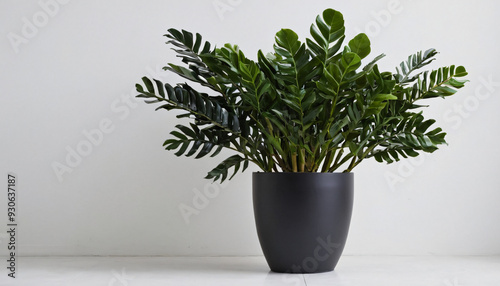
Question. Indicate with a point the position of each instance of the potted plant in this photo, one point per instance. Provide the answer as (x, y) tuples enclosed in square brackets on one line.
[(301, 113)]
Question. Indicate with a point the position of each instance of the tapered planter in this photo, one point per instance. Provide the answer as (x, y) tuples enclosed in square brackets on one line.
[(302, 219)]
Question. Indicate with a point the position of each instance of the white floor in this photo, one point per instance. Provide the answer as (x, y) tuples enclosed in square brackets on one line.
[(242, 271)]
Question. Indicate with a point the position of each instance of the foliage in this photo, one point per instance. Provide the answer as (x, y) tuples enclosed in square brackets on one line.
[(306, 107)]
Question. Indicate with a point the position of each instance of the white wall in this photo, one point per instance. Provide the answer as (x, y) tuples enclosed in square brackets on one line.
[(77, 69)]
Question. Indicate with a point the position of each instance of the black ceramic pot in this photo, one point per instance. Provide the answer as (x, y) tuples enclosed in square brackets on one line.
[(302, 219)]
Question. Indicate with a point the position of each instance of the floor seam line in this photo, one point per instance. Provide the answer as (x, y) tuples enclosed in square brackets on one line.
[(304, 278)]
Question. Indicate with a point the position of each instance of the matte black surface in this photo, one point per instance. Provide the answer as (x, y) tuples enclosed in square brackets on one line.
[(302, 219)]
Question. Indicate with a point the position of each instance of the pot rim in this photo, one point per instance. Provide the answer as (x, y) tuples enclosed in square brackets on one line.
[(302, 173)]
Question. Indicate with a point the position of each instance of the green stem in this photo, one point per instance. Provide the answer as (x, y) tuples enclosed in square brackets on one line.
[(328, 161), (342, 162), (302, 160), (352, 165), (339, 155), (348, 170), (294, 162)]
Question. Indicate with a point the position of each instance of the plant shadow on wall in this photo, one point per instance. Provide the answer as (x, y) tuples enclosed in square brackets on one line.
[(301, 113), (306, 107)]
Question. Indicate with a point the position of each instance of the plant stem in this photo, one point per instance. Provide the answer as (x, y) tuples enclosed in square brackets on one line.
[(342, 162), (348, 170), (302, 160), (275, 169), (294, 162), (352, 165), (327, 162), (339, 155), (280, 162)]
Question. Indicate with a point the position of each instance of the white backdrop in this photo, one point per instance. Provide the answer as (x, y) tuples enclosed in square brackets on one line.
[(68, 70)]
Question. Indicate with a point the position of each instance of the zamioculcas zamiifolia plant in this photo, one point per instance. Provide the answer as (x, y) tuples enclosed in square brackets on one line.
[(305, 107)]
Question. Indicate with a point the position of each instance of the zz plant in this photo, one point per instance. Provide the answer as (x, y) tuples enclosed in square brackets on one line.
[(306, 107)]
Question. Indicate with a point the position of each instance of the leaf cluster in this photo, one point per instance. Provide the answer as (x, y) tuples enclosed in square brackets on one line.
[(305, 107)]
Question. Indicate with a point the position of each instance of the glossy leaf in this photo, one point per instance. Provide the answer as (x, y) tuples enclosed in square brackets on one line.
[(360, 45)]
